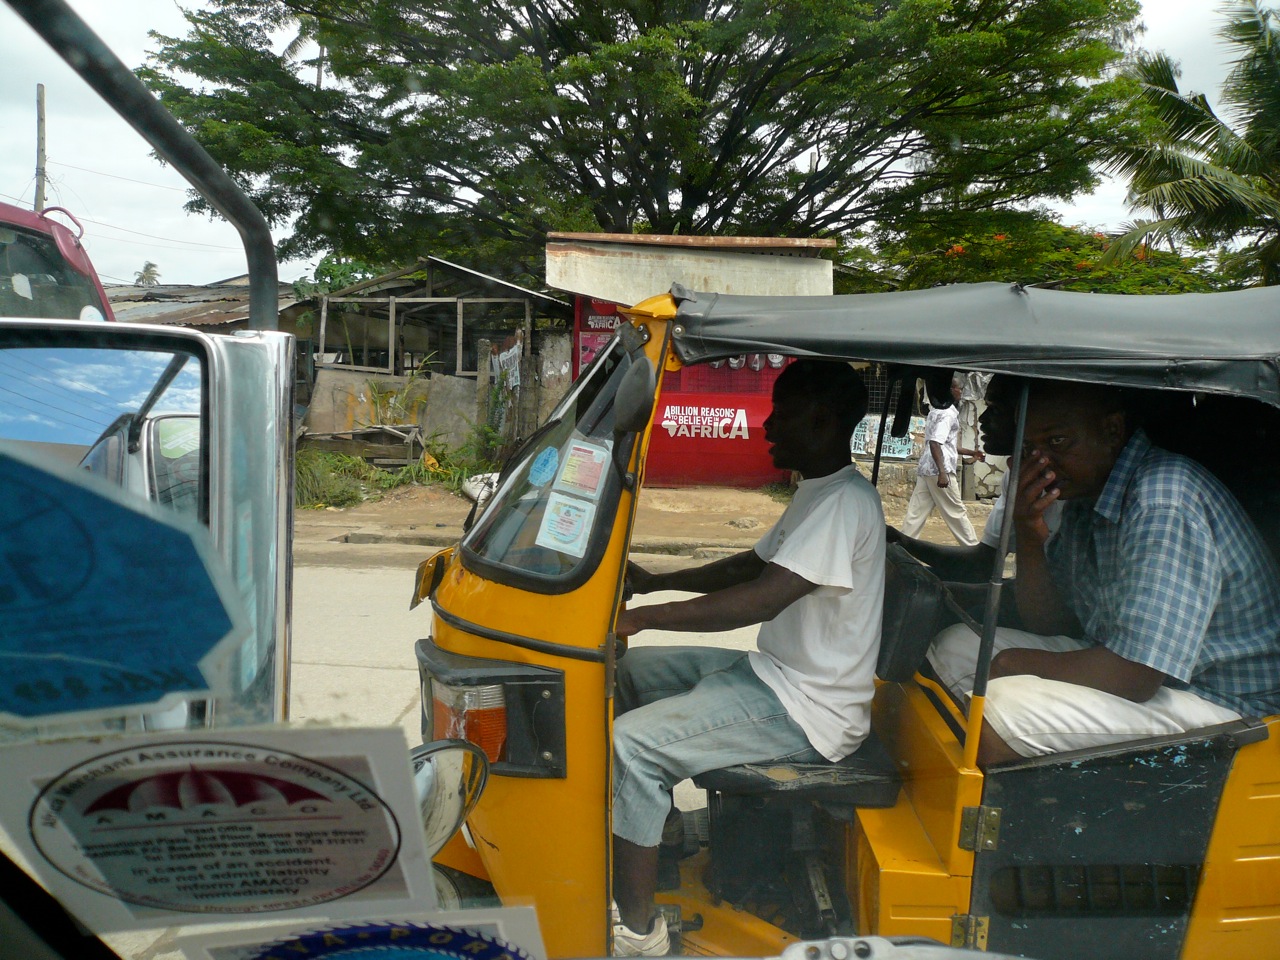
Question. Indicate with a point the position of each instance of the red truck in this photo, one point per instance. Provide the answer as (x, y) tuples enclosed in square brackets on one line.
[(45, 271)]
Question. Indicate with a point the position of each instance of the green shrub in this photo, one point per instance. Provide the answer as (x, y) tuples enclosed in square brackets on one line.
[(451, 468), (324, 479)]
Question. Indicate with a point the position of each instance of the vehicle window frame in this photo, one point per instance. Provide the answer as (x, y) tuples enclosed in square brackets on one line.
[(606, 504)]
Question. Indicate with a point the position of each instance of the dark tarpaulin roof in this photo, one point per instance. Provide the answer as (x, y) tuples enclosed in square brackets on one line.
[(1214, 342)]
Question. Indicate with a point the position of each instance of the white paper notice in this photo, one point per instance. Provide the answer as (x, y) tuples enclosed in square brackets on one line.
[(187, 827), (566, 525)]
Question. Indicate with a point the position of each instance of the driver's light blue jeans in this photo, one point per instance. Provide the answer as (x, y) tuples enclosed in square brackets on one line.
[(681, 711)]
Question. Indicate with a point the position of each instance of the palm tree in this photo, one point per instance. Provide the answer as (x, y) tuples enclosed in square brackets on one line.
[(148, 276), (1202, 180), (308, 30)]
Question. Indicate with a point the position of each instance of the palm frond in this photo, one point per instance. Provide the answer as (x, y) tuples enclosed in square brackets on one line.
[(1137, 234), (1183, 117)]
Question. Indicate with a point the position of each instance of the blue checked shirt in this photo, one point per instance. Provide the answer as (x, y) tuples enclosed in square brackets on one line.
[(1165, 569)]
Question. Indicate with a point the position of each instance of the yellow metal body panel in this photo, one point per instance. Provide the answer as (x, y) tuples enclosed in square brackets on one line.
[(726, 931), (937, 785), (898, 881), (546, 842), (460, 855), (1237, 907), (905, 869)]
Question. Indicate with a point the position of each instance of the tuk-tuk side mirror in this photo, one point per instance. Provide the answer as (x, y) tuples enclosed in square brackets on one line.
[(632, 408), (448, 778), (430, 573), (633, 405)]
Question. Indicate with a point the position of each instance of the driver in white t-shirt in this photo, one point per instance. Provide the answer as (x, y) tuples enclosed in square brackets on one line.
[(814, 583)]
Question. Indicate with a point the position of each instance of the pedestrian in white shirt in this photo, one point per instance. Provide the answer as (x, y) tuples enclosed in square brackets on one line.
[(936, 484)]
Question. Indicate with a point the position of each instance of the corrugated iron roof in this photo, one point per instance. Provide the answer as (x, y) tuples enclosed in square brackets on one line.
[(189, 306), (388, 280)]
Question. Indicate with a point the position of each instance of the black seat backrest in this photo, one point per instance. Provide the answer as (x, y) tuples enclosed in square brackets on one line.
[(915, 609)]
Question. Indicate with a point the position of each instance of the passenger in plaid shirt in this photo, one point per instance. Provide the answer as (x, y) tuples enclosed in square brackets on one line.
[(1154, 610)]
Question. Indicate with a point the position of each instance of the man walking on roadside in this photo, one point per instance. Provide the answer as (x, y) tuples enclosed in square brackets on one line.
[(936, 483)]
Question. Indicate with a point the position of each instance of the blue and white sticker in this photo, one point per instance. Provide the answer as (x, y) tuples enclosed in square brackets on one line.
[(391, 941), (543, 469)]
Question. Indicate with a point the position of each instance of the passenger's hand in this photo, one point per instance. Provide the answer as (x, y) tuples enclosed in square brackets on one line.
[(943, 481), (1036, 493)]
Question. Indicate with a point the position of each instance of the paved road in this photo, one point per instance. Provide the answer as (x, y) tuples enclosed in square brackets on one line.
[(353, 636), (353, 633)]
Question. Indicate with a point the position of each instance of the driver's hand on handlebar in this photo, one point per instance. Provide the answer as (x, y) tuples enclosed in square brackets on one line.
[(638, 580)]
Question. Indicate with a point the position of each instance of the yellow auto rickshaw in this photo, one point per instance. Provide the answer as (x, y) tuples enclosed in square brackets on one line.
[(1158, 848)]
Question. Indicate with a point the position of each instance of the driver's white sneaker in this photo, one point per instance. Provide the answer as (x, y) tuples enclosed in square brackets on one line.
[(655, 943)]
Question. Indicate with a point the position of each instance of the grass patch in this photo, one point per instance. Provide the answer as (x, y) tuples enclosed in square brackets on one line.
[(778, 492), (324, 479)]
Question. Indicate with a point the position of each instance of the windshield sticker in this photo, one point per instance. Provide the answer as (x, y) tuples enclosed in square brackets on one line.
[(566, 525), (543, 468), (583, 470), (493, 933), (111, 605), (154, 830)]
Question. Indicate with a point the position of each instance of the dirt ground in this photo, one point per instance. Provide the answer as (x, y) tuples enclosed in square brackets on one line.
[(698, 515)]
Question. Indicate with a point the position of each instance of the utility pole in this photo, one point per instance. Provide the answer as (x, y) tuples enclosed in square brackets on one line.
[(39, 147)]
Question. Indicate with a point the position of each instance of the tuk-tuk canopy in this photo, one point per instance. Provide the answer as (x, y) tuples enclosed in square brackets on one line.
[(1226, 343)]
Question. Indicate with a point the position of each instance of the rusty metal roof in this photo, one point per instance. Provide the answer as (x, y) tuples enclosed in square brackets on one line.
[(213, 305)]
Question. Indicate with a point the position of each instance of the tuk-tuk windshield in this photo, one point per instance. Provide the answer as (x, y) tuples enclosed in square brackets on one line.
[(537, 533)]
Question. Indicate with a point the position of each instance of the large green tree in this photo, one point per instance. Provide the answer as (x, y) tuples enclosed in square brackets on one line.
[(1019, 247), (486, 123), (1205, 181)]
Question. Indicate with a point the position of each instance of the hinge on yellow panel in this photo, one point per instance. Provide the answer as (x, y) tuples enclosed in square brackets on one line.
[(969, 931), (979, 828)]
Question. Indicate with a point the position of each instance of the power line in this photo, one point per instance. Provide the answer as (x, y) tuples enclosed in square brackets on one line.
[(110, 226), (98, 426), (21, 199), (84, 393), (152, 236), (114, 176)]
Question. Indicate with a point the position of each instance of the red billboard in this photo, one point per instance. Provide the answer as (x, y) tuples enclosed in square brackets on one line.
[(709, 425)]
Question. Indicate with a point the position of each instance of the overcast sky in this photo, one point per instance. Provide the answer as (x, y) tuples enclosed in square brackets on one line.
[(131, 205)]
